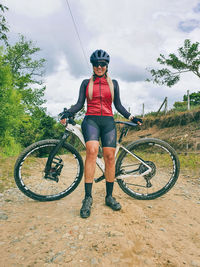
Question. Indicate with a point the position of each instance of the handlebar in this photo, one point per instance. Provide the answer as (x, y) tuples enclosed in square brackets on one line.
[(70, 119), (129, 123), (66, 115)]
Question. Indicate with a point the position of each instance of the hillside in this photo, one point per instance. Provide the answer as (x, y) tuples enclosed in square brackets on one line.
[(181, 130)]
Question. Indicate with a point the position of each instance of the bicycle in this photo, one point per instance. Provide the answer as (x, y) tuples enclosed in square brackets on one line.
[(51, 169)]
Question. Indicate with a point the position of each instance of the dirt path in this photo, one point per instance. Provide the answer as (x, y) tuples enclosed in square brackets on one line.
[(161, 232)]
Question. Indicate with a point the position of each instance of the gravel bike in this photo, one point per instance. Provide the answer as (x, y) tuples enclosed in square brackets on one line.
[(52, 169)]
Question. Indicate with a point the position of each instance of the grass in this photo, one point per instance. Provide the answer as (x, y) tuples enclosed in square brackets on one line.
[(6, 173), (173, 111), (189, 164), (190, 161)]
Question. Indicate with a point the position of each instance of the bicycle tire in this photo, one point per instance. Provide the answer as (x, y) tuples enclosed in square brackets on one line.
[(30, 166), (164, 161)]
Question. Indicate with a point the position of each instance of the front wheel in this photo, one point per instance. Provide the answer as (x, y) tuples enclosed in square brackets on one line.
[(64, 174), (147, 169)]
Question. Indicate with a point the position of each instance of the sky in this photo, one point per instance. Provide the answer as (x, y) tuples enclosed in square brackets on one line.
[(133, 32)]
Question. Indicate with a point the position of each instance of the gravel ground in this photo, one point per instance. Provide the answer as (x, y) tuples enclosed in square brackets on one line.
[(160, 232)]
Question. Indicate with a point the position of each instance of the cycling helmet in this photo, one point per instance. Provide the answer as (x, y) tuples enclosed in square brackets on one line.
[(99, 55)]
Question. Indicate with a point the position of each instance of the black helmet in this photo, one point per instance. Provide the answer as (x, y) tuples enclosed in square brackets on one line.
[(99, 55)]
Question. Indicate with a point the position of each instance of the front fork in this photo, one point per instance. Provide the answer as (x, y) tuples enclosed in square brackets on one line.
[(52, 173)]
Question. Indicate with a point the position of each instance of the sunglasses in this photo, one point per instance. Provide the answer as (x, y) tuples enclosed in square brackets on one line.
[(100, 63)]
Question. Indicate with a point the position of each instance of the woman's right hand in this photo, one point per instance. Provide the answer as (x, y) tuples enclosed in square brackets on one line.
[(63, 116), (63, 121)]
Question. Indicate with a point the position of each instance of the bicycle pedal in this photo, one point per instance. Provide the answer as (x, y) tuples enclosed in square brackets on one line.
[(99, 179)]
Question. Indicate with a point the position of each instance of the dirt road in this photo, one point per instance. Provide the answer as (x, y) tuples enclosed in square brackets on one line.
[(161, 232)]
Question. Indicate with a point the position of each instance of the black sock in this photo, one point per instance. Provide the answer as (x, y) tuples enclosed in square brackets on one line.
[(88, 189), (109, 188)]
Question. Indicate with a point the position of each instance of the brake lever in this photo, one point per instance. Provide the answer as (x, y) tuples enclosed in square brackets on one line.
[(71, 121)]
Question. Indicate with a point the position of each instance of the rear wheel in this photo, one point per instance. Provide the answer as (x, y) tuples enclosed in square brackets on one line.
[(133, 176), (64, 175)]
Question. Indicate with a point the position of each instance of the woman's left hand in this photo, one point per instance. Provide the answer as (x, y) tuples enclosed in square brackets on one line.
[(137, 120)]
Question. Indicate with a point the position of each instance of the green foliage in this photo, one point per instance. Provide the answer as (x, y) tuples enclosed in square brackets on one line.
[(38, 126), (173, 118), (27, 71), (6, 172), (183, 105), (23, 66), (194, 98), (22, 118), (180, 106), (19, 104), (189, 162), (3, 25), (154, 114), (11, 111), (188, 60), (9, 145)]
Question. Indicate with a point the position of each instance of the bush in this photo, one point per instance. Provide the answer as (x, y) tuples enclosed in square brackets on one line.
[(9, 147)]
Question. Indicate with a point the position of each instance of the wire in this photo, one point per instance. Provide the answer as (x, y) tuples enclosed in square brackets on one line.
[(76, 29)]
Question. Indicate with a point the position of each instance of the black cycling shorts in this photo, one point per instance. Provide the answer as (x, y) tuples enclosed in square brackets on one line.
[(95, 127)]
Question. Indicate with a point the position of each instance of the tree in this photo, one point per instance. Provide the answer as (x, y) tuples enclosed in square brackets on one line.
[(3, 25), (11, 111), (27, 71), (188, 60), (37, 127), (194, 98), (23, 120), (183, 105)]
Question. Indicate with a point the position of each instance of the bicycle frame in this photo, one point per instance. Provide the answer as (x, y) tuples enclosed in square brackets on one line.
[(76, 129)]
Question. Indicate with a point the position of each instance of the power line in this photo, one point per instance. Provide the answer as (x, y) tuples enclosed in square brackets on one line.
[(76, 29)]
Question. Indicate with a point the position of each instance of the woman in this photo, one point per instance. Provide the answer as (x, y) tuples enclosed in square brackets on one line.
[(100, 91)]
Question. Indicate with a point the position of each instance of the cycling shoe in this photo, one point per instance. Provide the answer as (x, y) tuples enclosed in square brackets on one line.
[(86, 207), (112, 203)]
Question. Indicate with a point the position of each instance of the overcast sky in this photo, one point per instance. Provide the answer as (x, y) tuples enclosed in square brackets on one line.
[(133, 32)]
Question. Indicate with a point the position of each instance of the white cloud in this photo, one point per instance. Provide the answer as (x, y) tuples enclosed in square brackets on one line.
[(133, 32), (137, 31), (33, 8), (62, 88)]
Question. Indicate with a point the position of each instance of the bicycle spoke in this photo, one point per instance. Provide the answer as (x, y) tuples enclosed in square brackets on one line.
[(42, 182), (147, 168)]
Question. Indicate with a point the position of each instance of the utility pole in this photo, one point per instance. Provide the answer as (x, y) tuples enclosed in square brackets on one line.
[(166, 100), (143, 110), (188, 99)]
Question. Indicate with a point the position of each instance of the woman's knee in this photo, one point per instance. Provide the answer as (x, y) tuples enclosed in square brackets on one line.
[(92, 150), (109, 157)]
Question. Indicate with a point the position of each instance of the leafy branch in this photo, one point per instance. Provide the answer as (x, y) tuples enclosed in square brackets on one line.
[(188, 60), (3, 24)]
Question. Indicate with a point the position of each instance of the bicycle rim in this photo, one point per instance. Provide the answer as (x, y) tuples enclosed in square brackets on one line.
[(30, 171), (164, 163)]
